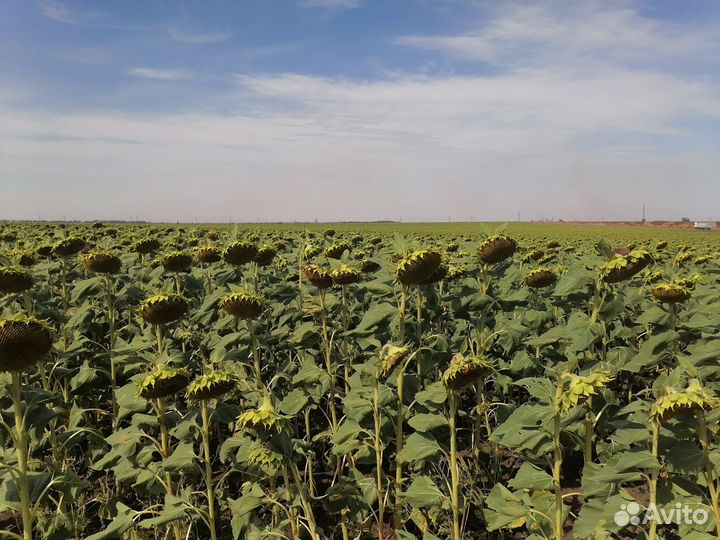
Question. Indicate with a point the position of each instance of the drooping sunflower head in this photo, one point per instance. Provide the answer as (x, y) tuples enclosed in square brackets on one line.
[(682, 257), (465, 370), (418, 267), (624, 267), (240, 252), (690, 281), (208, 254), (310, 251), (670, 293), (496, 249), (346, 275), (211, 385), (317, 276), (44, 251), (24, 258), (391, 356), (177, 261), (577, 389), (163, 308), (163, 382), (540, 277), (336, 250), (369, 266), (265, 254), (264, 418), (14, 280), (69, 247), (673, 402), (146, 245), (102, 262), (23, 343), (243, 305)]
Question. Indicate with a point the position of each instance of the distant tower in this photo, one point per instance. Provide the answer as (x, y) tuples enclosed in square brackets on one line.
[(643, 220)]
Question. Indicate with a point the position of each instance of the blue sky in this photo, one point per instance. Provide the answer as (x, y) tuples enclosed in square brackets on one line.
[(359, 109)]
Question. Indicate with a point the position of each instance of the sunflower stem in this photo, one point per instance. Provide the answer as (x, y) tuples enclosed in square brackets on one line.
[(21, 453), (208, 468)]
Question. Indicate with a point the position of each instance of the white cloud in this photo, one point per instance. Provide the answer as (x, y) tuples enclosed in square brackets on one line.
[(57, 11), (198, 39), (159, 74), (525, 34), (331, 4)]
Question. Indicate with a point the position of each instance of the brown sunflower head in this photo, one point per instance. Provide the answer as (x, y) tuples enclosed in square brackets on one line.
[(670, 293), (24, 258), (419, 267), (23, 343), (146, 245), (346, 275), (69, 247), (208, 254), (240, 252), (465, 370), (163, 382), (369, 266), (496, 249), (102, 262), (336, 250), (164, 308), (177, 261), (317, 276), (265, 255), (243, 305), (211, 385), (672, 402), (624, 267), (44, 251), (13, 280), (540, 277)]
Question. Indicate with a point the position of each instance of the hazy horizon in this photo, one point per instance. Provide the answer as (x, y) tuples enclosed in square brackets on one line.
[(359, 110)]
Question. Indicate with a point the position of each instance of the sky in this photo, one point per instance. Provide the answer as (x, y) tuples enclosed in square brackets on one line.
[(412, 110)]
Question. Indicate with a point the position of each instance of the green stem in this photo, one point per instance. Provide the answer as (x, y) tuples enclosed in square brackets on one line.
[(110, 298), (328, 361), (208, 468), (399, 423), (379, 489), (709, 470), (557, 468), (654, 474), (160, 337), (165, 453), (454, 470), (401, 311), (21, 452), (256, 352)]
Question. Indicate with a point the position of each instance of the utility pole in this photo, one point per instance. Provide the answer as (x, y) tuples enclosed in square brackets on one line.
[(643, 220)]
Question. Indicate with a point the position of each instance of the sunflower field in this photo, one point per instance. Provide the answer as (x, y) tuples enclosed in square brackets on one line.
[(358, 382)]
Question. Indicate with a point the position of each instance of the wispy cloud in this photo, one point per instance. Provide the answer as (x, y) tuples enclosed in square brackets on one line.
[(198, 38), (586, 31), (330, 4), (57, 11), (159, 74)]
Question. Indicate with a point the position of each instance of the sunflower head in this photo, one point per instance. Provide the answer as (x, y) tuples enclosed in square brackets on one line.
[(336, 250), (211, 385), (163, 308), (576, 389), (624, 267), (243, 305), (346, 275), (44, 251), (368, 266), (496, 249), (391, 356), (540, 277), (163, 382), (146, 245), (240, 252), (177, 261), (102, 262), (23, 343), (69, 247), (24, 258), (673, 402), (265, 255), (208, 254), (465, 370), (317, 276), (265, 418), (670, 293), (13, 280), (418, 267)]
